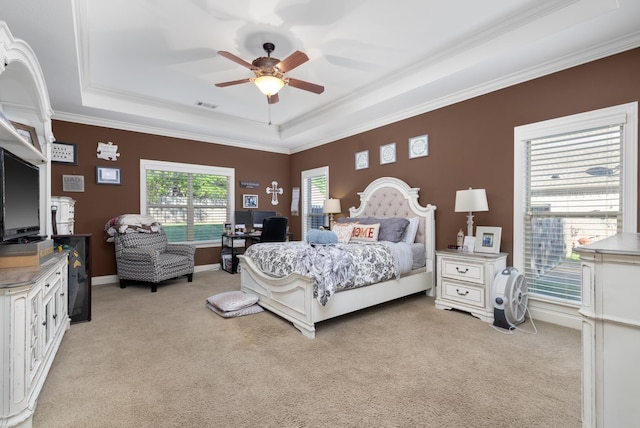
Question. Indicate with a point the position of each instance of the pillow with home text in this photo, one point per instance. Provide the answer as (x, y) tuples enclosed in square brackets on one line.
[(365, 232)]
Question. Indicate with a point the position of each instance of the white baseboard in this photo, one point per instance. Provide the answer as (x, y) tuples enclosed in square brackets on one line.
[(113, 279), (553, 313)]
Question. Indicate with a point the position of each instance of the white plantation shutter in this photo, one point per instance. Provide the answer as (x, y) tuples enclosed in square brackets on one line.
[(574, 197), (192, 202), (315, 183)]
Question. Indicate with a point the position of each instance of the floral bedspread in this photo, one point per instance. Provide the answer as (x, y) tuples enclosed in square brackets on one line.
[(332, 267)]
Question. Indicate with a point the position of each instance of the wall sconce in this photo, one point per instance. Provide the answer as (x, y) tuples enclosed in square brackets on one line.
[(471, 200), (331, 207)]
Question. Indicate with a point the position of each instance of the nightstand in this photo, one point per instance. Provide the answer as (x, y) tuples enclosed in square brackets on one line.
[(465, 281)]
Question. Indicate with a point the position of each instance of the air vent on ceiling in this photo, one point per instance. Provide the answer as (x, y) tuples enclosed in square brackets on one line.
[(205, 105)]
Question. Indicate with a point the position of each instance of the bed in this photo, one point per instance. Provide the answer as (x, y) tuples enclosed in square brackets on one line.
[(292, 296)]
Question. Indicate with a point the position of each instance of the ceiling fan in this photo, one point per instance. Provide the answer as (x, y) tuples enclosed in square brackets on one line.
[(270, 72)]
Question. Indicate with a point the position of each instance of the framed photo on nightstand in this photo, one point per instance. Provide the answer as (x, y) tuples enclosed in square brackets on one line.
[(488, 239)]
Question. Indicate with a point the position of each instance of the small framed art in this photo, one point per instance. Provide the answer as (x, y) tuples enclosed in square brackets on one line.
[(362, 160), (249, 201), (64, 153), (107, 175), (488, 239), (419, 146), (28, 133), (388, 153)]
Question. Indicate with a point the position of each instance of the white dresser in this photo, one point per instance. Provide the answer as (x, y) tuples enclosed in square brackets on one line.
[(611, 331), (465, 281), (34, 318)]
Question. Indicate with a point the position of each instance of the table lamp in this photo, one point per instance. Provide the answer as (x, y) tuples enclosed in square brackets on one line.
[(471, 200), (331, 206)]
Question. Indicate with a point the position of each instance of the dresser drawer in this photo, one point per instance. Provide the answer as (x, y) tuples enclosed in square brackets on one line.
[(52, 280), (462, 270), (463, 293)]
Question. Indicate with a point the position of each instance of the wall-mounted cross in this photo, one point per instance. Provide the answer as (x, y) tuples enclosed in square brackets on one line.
[(274, 191)]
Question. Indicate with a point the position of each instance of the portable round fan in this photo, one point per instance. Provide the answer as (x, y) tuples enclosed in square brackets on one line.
[(510, 298)]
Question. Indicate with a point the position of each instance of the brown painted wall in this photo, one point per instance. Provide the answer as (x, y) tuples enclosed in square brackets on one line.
[(100, 202), (471, 143)]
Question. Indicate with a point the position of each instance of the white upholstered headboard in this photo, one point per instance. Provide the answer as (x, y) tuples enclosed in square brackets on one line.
[(392, 197)]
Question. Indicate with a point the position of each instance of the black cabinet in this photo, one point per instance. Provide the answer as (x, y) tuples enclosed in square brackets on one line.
[(79, 294)]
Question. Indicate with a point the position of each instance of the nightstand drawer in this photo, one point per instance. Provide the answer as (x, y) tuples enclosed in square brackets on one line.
[(463, 271), (463, 293)]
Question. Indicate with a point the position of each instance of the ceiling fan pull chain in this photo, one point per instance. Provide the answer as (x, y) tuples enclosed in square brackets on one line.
[(269, 105)]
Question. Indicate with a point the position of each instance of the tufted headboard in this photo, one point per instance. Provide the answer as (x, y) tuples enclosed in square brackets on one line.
[(392, 197)]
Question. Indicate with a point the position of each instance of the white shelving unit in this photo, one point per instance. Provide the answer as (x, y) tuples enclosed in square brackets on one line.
[(33, 300)]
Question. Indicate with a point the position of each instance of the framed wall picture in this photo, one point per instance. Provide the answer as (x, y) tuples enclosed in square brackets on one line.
[(488, 239), (249, 201), (64, 153), (107, 175), (362, 160), (419, 146), (388, 153), (28, 133)]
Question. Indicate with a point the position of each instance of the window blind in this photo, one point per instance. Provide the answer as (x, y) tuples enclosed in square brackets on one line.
[(573, 197), (315, 184), (190, 206)]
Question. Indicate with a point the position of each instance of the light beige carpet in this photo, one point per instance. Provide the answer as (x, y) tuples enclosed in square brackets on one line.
[(164, 360)]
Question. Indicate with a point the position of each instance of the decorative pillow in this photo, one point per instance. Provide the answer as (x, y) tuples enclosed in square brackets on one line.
[(253, 309), (343, 231), (392, 229), (316, 236), (365, 232), (232, 300), (411, 231)]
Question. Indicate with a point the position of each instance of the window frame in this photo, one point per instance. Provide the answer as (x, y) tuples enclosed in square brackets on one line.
[(148, 164), (625, 114)]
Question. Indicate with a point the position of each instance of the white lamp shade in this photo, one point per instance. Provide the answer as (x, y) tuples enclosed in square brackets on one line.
[(471, 200), (331, 206), (268, 85)]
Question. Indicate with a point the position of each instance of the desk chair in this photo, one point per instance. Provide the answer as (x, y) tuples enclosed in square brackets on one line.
[(274, 229)]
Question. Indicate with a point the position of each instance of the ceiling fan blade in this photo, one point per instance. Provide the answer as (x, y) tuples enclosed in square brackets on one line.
[(292, 61), (236, 59), (233, 82), (273, 99), (301, 84)]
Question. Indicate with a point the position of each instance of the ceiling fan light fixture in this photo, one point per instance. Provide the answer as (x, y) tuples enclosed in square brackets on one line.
[(269, 85)]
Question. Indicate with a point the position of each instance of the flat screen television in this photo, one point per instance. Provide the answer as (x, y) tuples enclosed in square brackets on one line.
[(19, 198), (258, 216)]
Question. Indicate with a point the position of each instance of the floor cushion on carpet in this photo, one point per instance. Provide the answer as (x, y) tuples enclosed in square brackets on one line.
[(234, 304), (253, 309)]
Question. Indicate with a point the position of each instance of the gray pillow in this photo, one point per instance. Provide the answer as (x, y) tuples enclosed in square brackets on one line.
[(391, 229)]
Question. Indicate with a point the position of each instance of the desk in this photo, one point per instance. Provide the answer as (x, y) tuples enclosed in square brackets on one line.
[(232, 245)]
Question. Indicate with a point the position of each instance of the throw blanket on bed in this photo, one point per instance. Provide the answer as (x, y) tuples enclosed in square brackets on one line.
[(332, 267), (328, 265)]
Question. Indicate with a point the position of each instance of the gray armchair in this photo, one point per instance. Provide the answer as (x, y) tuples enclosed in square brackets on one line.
[(148, 257)]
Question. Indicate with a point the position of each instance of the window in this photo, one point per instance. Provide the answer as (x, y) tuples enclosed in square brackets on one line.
[(574, 183), (191, 201), (315, 185)]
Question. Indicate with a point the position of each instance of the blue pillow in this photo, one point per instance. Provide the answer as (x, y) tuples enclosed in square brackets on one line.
[(316, 236)]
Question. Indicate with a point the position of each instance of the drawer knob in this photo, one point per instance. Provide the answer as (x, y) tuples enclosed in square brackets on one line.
[(462, 294), (462, 271)]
